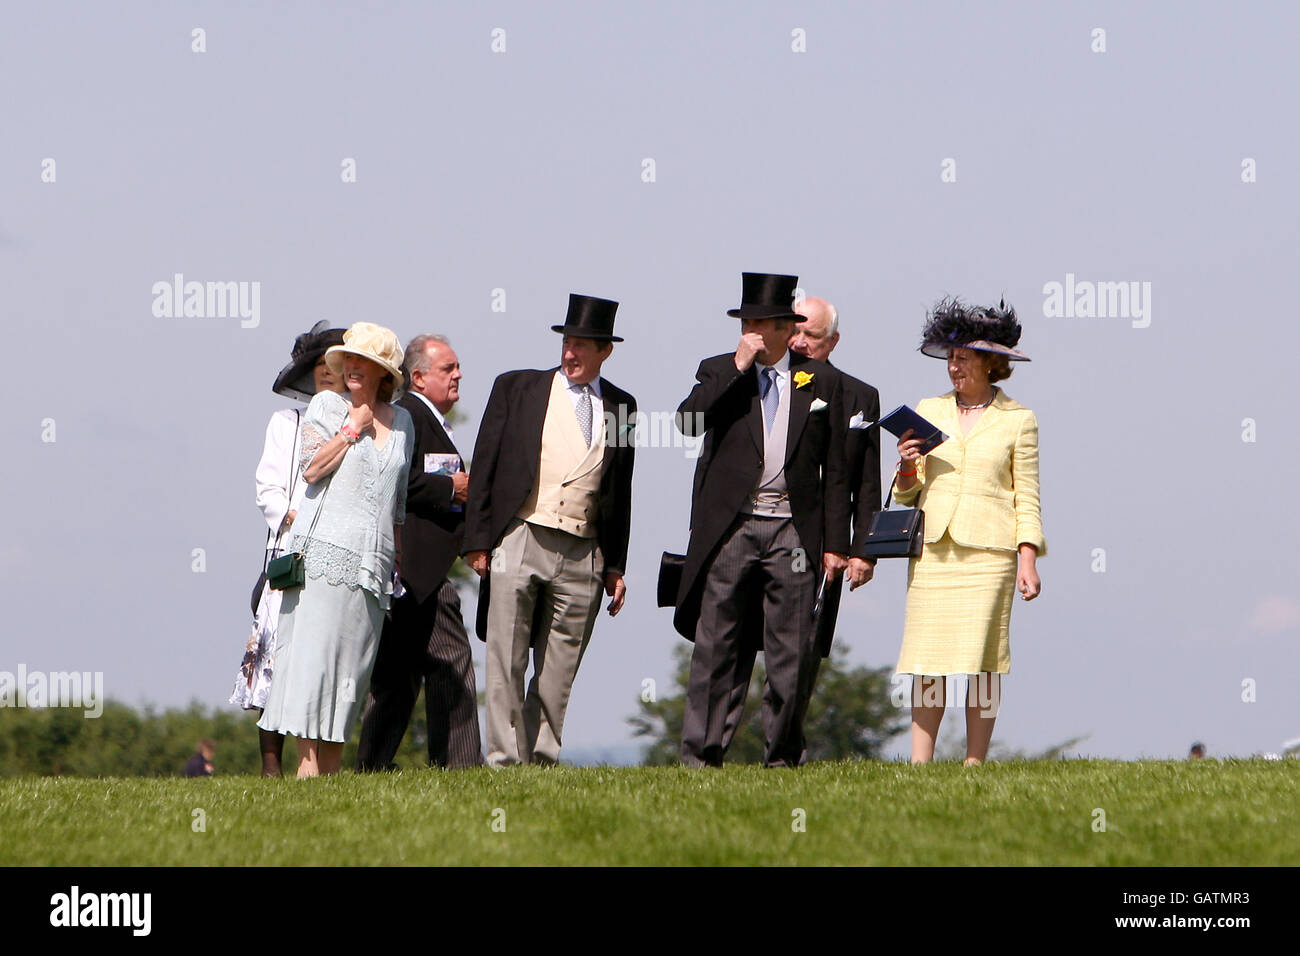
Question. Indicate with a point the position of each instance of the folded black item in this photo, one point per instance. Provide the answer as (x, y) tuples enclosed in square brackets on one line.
[(670, 578)]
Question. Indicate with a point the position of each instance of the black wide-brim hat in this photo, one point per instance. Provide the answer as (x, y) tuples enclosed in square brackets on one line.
[(298, 379), (589, 318), (765, 296)]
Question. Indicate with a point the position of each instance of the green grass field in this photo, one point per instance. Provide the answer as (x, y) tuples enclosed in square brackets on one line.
[(1205, 813)]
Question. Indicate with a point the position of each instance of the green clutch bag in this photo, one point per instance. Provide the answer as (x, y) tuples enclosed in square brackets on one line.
[(286, 571)]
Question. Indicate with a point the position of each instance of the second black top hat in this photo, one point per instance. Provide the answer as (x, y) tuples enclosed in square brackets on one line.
[(589, 318), (764, 296)]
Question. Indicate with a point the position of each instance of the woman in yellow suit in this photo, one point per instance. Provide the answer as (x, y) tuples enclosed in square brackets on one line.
[(983, 533)]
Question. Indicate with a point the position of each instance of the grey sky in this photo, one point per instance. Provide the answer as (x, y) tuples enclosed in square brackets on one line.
[(522, 171)]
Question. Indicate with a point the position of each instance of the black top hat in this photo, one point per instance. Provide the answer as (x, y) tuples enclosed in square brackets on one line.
[(297, 379), (589, 318), (764, 296)]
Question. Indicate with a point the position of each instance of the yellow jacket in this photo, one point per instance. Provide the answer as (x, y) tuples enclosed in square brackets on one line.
[(982, 488)]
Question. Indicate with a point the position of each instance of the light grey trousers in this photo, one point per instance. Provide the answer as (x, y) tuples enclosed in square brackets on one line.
[(546, 589)]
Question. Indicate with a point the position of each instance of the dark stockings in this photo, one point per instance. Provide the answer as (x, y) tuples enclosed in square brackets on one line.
[(272, 750)]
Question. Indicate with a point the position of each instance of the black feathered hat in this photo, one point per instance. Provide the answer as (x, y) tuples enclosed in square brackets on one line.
[(297, 379), (952, 324)]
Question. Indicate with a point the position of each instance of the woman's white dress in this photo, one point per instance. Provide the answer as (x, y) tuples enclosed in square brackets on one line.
[(279, 490)]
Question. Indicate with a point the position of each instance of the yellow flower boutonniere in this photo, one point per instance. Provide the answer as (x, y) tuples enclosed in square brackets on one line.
[(802, 378)]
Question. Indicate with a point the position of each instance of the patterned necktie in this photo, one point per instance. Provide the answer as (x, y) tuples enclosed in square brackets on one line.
[(584, 414), (771, 396)]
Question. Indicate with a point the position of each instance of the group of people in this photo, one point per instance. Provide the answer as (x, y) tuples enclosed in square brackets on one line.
[(376, 499), (346, 483)]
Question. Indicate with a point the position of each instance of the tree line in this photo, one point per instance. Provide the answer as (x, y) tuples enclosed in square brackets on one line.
[(851, 716)]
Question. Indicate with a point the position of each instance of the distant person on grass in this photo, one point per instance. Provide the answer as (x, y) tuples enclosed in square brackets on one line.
[(983, 530), (200, 762)]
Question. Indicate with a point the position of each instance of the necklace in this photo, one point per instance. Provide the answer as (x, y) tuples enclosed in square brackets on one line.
[(962, 405)]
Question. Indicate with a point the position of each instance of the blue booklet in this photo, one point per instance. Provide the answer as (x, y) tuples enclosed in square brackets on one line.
[(902, 418)]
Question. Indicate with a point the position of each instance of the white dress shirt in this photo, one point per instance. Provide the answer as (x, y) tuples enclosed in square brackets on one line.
[(451, 436), (782, 369), (771, 496), (574, 392), (442, 420)]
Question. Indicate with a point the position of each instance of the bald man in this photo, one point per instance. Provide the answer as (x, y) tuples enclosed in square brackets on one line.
[(816, 336)]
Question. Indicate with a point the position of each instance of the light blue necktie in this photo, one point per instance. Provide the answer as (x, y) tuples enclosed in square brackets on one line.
[(584, 414), (771, 396)]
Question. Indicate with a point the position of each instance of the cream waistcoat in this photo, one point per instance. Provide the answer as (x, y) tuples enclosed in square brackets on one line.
[(566, 493)]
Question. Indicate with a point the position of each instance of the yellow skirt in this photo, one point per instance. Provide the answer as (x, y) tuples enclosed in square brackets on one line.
[(958, 610)]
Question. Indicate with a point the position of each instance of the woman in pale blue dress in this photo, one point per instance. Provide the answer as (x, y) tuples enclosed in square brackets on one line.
[(356, 451), (279, 492)]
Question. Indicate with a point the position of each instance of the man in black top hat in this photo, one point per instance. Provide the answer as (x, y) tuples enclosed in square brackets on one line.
[(816, 336), (546, 528), (769, 519)]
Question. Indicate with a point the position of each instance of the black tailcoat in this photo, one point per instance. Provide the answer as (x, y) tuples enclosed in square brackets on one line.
[(862, 454), (508, 453), (731, 464)]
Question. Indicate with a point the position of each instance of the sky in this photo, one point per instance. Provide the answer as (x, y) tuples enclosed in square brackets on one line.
[(419, 165)]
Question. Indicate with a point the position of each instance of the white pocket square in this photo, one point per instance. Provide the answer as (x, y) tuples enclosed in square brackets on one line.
[(859, 421), (817, 405)]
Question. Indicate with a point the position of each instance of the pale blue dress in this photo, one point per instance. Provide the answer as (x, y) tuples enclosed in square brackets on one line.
[(329, 629)]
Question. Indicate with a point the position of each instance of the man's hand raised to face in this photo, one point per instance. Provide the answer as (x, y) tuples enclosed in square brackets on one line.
[(751, 345)]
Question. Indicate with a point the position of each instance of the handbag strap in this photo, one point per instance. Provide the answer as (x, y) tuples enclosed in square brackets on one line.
[(293, 475), (890, 493), (320, 506), (293, 455)]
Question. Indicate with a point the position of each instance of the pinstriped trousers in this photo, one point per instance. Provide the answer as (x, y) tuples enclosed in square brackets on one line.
[(760, 569), (423, 641)]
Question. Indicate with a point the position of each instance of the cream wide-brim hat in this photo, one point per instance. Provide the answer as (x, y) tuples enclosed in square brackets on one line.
[(370, 341)]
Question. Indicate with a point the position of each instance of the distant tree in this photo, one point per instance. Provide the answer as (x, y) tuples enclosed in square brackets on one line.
[(121, 742), (850, 714), (124, 742)]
